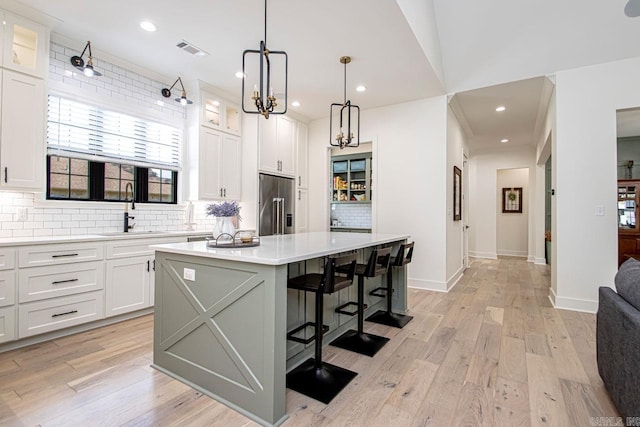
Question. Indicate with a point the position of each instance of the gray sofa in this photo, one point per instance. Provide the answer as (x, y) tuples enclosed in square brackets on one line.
[(618, 339)]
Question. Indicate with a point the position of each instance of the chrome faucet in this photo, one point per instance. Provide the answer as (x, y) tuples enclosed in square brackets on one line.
[(128, 226)]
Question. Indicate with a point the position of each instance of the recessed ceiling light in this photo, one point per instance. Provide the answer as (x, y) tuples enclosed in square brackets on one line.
[(240, 75), (504, 141), (361, 88), (295, 104), (500, 108), (148, 26)]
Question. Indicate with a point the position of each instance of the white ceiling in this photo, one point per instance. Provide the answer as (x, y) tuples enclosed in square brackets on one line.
[(397, 53)]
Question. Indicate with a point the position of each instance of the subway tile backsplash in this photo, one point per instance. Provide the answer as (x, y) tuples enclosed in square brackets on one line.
[(352, 215)]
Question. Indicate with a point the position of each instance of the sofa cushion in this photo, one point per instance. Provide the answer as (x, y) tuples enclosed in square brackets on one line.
[(628, 282)]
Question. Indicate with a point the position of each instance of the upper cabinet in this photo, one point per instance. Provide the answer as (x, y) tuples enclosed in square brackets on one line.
[(26, 46), (216, 113), (302, 154), (277, 146)]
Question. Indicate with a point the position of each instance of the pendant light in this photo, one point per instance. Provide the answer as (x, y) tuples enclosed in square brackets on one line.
[(87, 69), (166, 92), (264, 100), (344, 139)]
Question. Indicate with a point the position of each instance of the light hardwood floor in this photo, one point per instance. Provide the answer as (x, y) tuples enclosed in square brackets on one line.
[(492, 352)]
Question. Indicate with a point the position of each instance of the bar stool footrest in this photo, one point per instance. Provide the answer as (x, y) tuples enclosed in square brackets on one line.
[(323, 383), (379, 292), (340, 308), (367, 344), (389, 319), (291, 333)]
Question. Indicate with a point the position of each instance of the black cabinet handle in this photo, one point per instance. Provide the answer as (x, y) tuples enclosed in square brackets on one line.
[(63, 255), (154, 265), (64, 314), (148, 265), (5, 174), (57, 282)]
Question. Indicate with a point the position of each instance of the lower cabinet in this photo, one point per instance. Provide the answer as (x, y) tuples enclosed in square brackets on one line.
[(7, 324), (128, 284), (57, 313)]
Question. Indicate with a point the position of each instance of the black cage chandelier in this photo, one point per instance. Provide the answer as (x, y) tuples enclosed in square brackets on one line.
[(264, 100), (344, 139)]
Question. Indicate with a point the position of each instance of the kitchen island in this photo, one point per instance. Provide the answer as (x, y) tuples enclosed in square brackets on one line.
[(221, 314)]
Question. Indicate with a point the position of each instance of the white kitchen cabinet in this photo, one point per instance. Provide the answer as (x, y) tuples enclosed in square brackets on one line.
[(302, 155), (217, 113), (56, 254), (56, 313), (277, 146), (22, 133), (7, 324), (25, 46), (302, 210), (7, 287), (7, 258), (218, 174), (52, 281), (128, 285)]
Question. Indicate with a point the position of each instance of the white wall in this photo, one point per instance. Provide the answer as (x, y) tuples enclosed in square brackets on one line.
[(483, 197), (585, 170), (512, 229), (410, 180), (456, 143)]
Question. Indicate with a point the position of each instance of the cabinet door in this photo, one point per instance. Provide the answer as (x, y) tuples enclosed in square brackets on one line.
[(268, 148), (127, 285), (230, 166), (7, 287), (152, 283), (302, 155), (26, 46), (302, 211), (209, 186), (22, 135), (7, 324), (286, 145), (211, 111)]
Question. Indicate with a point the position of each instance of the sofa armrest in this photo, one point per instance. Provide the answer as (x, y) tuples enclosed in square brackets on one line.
[(618, 351)]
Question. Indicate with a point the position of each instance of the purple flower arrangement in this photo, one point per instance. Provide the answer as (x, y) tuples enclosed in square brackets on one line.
[(223, 209)]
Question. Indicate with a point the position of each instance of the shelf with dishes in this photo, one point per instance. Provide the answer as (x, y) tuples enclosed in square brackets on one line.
[(351, 178)]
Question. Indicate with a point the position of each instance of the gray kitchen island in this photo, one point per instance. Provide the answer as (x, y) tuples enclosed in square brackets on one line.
[(222, 314)]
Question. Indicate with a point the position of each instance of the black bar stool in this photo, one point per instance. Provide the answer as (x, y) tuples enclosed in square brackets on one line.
[(360, 341), (405, 253), (314, 378)]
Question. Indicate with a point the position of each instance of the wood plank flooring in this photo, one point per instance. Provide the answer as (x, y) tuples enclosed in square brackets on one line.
[(492, 352)]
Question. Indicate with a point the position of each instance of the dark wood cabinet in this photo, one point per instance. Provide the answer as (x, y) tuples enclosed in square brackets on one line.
[(628, 227)]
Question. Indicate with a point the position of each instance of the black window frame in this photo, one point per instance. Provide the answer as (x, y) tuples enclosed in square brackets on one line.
[(96, 183)]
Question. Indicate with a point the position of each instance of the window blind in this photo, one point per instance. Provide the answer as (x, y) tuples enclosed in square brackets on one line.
[(90, 132)]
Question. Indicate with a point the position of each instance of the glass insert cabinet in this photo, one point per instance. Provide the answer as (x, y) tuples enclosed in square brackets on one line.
[(351, 178), (628, 227)]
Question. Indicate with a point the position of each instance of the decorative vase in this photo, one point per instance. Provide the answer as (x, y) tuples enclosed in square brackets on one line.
[(223, 229)]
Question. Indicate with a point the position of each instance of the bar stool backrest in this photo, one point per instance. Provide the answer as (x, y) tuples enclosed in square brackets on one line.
[(378, 262), (334, 281), (405, 253)]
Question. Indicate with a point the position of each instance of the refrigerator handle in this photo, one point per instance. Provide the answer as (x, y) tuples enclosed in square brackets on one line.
[(282, 211), (275, 220)]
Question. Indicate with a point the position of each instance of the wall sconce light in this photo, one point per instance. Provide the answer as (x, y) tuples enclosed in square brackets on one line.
[(87, 69), (343, 139), (264, 105), (166, 92)]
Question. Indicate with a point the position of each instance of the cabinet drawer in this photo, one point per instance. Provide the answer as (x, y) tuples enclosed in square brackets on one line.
[(137, 247), (33, 256), (57, 313), (7, 258), (7, 324), (7, 287), (59, 280)]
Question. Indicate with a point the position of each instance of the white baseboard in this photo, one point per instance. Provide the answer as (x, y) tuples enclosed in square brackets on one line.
[(574, 304), (540, 261), (506, 252), (453, 280), (429, 285), (486, 255)]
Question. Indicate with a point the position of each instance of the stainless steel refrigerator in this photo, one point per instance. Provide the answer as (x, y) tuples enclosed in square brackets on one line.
[(277, 198)]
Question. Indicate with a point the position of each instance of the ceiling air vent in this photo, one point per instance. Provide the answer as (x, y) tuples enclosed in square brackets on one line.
[(190, 48)]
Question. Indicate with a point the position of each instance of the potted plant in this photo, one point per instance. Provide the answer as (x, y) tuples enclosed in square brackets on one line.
[(227, 214)]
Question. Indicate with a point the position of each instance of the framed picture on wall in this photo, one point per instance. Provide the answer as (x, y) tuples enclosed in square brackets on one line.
[(512, 200), (457, 194)]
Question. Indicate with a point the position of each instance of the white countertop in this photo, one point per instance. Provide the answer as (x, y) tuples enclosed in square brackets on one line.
[(22, 241), (283, 249)]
